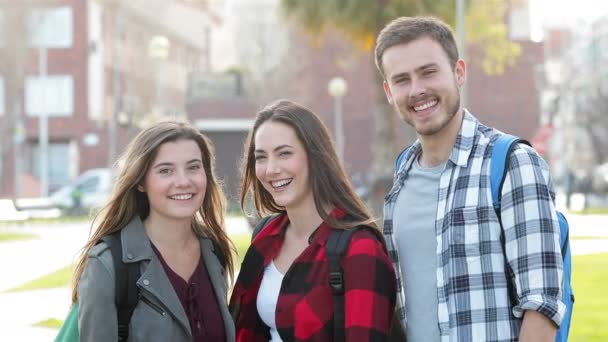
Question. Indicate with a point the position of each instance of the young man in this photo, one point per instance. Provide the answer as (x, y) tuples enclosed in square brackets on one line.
[(440, 226)]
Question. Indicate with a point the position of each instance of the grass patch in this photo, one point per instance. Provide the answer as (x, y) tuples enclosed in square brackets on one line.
[(592, 211), (58, 278), (241, 242), (590, 276), (53, 323), (588, 237), (6, 237)]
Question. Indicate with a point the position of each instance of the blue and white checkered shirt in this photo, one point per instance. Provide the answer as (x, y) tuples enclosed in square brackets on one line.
[(473, 284)]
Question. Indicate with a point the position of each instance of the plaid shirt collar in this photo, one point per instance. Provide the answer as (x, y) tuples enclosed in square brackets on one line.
[(462, 147), (276, 228)]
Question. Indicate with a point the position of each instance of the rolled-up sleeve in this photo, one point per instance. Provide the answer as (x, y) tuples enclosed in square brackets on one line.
[(532, 234)]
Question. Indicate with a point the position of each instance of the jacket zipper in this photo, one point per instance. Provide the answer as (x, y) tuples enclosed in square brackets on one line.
[(154, 306)]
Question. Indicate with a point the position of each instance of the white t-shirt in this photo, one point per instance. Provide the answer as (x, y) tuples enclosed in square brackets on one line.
[(267, 299)]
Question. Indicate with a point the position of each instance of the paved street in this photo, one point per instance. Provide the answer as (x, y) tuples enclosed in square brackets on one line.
[(58, 245)]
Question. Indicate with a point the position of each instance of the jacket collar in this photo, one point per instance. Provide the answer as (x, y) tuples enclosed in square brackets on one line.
[(136, 247), (135, 242)]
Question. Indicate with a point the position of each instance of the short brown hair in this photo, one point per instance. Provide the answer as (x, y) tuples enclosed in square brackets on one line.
[(405, 30)]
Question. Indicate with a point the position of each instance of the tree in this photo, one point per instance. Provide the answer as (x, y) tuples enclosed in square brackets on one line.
[(362, 20)]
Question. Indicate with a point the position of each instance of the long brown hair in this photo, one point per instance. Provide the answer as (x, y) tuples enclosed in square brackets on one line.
[(331, 187), (126, 201)]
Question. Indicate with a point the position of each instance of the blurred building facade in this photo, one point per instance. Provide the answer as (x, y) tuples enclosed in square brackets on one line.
[(111, 67), (299, 67)]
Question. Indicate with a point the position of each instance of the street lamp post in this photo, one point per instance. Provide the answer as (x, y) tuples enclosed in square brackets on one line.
[(43, 124), (158, 50), (337, 88), (462, 44), (116, 87)]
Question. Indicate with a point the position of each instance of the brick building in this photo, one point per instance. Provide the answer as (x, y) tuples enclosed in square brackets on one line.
[(103, 81)]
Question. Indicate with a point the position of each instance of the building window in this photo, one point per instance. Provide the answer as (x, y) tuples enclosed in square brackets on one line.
[(52, 95), (58, 159), (52, 27)]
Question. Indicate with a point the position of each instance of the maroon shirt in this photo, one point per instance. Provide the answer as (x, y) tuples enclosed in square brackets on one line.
[(198, 300)]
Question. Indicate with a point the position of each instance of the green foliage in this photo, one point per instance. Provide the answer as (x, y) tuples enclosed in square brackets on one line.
[(59, 278), (590, 276), (361, 20), (5, 237), (592, 211)]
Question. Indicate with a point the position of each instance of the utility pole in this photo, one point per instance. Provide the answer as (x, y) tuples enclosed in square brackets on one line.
[(116, 94), (462, 44), (43, 123)]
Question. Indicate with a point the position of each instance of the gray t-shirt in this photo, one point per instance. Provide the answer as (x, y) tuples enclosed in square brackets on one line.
[(414, 227)]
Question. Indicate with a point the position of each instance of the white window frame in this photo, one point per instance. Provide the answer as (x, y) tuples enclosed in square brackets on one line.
[(51, 27), (51, 96)]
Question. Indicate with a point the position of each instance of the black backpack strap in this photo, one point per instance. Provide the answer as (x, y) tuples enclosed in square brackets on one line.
[(335, 249), (219, 253), (262, 224), (126, 290)]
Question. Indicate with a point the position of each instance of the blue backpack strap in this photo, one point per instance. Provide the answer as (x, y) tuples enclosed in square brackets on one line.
[(401, 158), (498, 165)]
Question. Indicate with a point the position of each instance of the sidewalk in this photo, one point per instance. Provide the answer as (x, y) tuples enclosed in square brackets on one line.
[(21, 261)]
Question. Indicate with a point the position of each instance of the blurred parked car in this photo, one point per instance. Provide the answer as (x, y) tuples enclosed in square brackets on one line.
[(90, 190)]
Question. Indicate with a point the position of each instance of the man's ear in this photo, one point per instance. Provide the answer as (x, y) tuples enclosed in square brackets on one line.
[(460, 72), (387, 92)]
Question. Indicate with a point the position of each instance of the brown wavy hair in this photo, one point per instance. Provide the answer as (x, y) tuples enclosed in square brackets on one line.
[(331, 187), (126, 201)]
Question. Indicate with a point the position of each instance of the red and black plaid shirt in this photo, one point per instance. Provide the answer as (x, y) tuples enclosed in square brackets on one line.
[(304, 309)]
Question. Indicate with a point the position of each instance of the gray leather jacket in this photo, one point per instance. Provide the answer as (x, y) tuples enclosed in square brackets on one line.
[(159, 315)]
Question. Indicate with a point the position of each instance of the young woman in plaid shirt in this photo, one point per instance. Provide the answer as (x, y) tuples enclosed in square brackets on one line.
[(282, 292)]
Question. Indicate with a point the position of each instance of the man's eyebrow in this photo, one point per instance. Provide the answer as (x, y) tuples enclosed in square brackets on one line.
[(426, 66)]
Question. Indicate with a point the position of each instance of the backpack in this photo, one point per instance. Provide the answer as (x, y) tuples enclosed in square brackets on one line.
[(499, 164), (335, 249), (127, 292)]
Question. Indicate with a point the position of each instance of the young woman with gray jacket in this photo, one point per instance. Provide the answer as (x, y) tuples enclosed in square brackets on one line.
[(169, 210)]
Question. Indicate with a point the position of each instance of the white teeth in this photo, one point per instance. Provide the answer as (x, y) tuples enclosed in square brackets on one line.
[(280, 183), (182, 197), (425, 106)]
